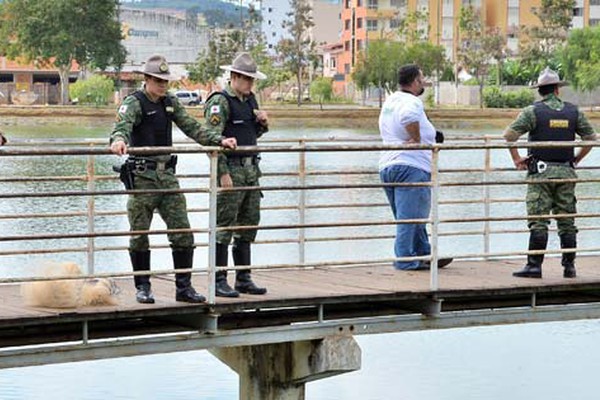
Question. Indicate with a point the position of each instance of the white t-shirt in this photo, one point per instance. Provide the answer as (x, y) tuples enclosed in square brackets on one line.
[(399, 110)]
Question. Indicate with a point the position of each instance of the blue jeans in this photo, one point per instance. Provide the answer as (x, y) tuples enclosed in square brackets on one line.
[(408, 203)]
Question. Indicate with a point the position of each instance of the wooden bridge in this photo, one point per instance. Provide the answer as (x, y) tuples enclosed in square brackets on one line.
[(303, 328)]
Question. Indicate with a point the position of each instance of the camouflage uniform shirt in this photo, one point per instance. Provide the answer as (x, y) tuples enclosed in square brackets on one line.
[(130, 114), (543, 195)]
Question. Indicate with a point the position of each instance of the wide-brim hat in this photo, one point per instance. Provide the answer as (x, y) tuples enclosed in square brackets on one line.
[(158, 67), (245, 65), (548, 77)]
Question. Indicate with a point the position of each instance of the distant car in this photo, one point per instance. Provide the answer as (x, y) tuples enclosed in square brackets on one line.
[(188, 98)]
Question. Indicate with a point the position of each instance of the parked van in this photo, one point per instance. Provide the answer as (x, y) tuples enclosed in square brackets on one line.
[(188, 98)]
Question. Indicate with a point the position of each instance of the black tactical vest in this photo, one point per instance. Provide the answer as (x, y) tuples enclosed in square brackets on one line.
[(241, 123), (555, 126), (156, 126)]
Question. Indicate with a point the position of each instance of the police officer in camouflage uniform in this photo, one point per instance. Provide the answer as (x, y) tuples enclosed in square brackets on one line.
[(550, 119), (145, 119), (234, 112)]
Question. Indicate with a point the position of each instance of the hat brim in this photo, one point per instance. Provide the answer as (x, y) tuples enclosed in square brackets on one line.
[(164, 77), (255, 75), (559, 83)]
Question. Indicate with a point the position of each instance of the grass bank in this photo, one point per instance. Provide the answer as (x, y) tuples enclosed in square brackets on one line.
[(305, 116)]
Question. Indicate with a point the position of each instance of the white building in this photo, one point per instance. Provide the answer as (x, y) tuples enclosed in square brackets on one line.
[(149, 32), (326, 16)]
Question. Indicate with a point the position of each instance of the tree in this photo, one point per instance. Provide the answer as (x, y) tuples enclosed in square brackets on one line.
[(581, 58), (542, 42), (223, 48), (321, 89), (60, 32), (298, 52), (379, 65), (479, 46)]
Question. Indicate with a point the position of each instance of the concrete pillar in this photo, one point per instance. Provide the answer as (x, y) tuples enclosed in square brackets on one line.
[(280, 371)]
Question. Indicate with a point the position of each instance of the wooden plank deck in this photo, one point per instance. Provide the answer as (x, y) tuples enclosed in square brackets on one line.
[(295, 295)]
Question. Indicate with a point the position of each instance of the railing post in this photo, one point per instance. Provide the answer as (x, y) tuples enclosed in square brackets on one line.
[(435, 186), (302, 203), (486, 198), (91, 206), (212, 225)]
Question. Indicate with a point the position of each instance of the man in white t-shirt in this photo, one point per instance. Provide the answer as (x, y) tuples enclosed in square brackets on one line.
[(403, 121)]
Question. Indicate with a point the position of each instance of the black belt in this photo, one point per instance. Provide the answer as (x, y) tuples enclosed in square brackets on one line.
[(560, 163), (142, 164), (243, 161)]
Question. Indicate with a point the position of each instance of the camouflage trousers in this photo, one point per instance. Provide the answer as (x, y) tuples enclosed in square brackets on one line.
[(171, 207), (239, 208), (555, 198)]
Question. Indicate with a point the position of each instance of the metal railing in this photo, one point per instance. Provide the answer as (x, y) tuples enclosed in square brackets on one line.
[(442, 178)]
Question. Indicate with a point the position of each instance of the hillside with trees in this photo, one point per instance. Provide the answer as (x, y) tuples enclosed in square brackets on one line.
[(216, 12)]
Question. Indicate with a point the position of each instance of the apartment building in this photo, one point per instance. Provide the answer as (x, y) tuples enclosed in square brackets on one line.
[(366, 20), (326, 17)]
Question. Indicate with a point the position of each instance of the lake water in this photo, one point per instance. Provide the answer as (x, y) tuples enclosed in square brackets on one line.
[(532, 361)]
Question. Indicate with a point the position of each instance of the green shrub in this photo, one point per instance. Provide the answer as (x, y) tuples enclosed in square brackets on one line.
[(494, 97), (321, 89), (96, 90)]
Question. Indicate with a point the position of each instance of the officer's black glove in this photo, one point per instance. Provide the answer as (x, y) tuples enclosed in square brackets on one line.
[(439, 137)]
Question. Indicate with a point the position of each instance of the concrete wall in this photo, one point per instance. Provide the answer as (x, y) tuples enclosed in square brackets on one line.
[(148, 32), (469, 95)]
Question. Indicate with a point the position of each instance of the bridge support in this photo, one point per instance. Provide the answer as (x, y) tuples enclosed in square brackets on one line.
[(280, 371)]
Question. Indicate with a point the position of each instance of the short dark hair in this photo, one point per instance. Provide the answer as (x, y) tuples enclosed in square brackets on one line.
[(546, 89), (408, 73)]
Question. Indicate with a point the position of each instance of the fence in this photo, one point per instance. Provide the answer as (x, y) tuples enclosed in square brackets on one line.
[(104, 185)]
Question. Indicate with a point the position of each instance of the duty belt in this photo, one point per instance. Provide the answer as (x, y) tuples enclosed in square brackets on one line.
[(143, 164), (243, 161), (562, 163)]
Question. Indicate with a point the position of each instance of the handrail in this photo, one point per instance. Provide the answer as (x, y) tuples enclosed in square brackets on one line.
[(441, 180)]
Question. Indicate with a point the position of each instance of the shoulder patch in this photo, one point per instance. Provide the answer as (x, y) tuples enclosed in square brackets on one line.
[(123, 109), (215, 109), (215, 119)]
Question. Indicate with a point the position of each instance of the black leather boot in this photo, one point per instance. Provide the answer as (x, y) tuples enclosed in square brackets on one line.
[(568, 241), (222, 288), (140, 261), (243, 281), (183, 259), (533, 269)]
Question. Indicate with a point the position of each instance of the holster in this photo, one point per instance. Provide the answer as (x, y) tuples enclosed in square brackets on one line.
[(125, 172), (532, 165)]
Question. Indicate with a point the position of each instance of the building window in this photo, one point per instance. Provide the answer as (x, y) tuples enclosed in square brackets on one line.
[(270, 46), (394, 23), (273, 34), (578, 12), (269, 22), (347, 24), (359, 44), (594, 2), (398, 3), (359, 3), (346, 69), (373, 4), (359, 23), (270, 9), (594, 22), (347, 4), (333, 62), (347, 45), (371, 24)]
